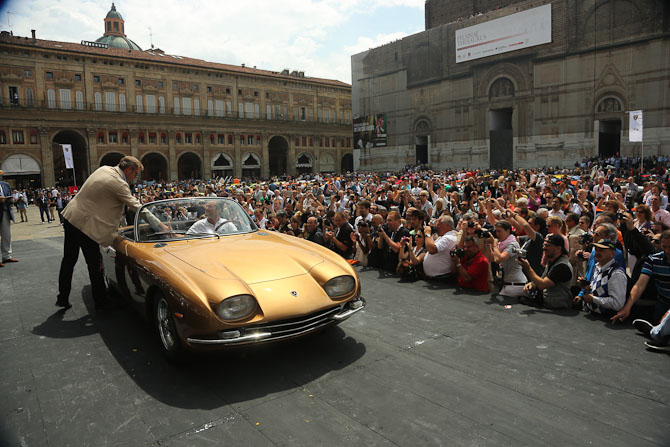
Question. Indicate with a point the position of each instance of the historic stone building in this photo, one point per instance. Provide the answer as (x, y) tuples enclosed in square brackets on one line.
[(549, 103), (182, 117)]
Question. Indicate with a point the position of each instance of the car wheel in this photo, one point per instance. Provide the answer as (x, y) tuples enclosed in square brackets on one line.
[(167, 330)]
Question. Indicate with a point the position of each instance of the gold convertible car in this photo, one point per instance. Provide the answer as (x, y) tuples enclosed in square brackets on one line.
[(207, 277)]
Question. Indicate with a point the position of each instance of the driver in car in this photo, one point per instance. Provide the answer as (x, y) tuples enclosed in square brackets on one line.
[(213, 222)]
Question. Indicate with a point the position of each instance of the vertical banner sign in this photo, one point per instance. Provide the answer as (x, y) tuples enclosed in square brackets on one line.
[(635, 126), (67, 153), (370, 131)]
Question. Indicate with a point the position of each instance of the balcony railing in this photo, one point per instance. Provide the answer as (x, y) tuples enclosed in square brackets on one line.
[(74, 106)]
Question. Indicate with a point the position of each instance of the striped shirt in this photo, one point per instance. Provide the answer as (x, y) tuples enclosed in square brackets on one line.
[(658, 268)]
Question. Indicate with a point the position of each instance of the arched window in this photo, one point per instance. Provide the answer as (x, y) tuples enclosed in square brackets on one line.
[(98, 101), (196, 107), (219, 107), (138, 104), (210, 107), (161, 104), (122, 102), (176, 106), (51, 98), (79, 100)]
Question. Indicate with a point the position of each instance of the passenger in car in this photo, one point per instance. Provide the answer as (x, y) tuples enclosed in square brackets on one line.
[(213, 222)]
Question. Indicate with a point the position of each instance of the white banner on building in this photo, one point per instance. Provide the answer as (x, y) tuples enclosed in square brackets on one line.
[(635, 126), (513, 32), (67, 153)]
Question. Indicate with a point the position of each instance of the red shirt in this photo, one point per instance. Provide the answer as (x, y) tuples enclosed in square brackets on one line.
[(478, 268)]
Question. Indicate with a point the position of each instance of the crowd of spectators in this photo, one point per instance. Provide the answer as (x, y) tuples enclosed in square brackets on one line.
[(594, 238)]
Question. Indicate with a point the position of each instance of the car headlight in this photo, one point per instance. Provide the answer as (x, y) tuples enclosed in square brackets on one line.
[(342, 285), (236, 307)]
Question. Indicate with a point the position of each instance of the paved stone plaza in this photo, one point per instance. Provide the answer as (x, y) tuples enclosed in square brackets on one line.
[(422, 365)]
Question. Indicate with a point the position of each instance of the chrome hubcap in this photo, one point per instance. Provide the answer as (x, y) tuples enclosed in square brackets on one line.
[(165, 324)]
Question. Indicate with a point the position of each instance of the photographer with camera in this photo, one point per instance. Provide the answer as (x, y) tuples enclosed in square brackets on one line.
[(410, 257), (437, 263), (535, 229), (504, 251), (472, 267), (391, 244), (606, 292), (552, 289), (604, 230)]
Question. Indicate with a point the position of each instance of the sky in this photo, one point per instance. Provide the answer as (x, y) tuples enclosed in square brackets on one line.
[(317, 37)]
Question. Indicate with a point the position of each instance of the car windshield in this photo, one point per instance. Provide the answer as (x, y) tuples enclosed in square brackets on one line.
[(194, 217)]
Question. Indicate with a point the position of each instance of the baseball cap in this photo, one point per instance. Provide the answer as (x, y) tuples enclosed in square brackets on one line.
[(605, 243), (557, 239)]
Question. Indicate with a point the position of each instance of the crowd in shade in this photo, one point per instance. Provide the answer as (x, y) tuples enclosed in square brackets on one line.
[(594, 238)]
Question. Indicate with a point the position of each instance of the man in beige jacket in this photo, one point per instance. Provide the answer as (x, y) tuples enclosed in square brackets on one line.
[(91, 219)]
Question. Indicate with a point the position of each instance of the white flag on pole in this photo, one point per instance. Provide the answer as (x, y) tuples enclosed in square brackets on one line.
[(635, 127), (67, 153)]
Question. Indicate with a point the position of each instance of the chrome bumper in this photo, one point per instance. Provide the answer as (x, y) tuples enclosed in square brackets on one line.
[(284, 329)]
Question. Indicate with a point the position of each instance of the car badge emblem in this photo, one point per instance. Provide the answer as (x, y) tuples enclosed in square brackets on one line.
[(294, 292)]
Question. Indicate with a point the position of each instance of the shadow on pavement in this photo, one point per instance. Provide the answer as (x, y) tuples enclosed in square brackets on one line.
[(213, 379)]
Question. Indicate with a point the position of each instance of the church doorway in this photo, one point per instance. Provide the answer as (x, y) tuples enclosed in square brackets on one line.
[(501, 137), (609, 138)]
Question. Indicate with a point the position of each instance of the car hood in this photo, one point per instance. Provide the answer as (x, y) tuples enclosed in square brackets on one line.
[(255, 257)]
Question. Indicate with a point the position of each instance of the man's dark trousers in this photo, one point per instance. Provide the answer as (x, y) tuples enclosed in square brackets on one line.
[(74, 240)]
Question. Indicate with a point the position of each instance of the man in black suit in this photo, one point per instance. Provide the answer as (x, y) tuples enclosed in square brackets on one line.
[(42, 202), (340, 240)]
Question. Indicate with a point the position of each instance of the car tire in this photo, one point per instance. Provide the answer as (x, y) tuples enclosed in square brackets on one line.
[(166, 329)]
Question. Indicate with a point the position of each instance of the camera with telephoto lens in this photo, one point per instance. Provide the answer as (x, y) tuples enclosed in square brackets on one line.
[(458, 252), (483, 234), (620, 215), (583, 283), (471, 224), (586, 239), (521, 253)]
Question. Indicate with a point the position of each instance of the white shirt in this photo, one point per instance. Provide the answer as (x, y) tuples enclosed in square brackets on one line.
[(222, 226), (558, 213), (440, 263)]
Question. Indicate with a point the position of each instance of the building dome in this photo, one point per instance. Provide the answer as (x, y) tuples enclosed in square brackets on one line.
[(113, 13), (119, 42), (115, 33)]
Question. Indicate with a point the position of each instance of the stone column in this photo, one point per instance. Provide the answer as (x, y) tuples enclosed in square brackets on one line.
[(92, 140), (265, 158), (134, 141), (237, 160), (316, 162), (290, 168), (172, 155), (48, 174), (206, 156), (338, 160)]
